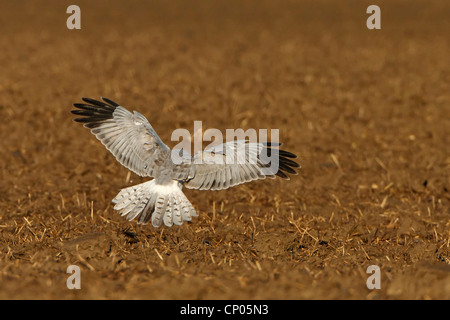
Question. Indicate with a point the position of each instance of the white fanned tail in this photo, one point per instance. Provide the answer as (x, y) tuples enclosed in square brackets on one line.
[(160, 202)]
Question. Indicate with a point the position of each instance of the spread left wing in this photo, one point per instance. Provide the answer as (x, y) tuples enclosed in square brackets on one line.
[(128, 136)]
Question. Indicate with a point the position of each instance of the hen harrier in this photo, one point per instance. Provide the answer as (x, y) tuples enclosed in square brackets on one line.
[(135, 144)]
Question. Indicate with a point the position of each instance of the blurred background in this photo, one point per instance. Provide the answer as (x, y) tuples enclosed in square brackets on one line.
[(367, 111)]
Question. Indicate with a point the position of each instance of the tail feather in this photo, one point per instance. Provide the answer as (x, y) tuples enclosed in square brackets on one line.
[(168, 216), (177, 217), (155, 202), (134, 205), (160, 209), (148, 209)]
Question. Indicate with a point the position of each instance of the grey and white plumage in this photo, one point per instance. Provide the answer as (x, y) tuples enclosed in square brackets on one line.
[(136, 145)]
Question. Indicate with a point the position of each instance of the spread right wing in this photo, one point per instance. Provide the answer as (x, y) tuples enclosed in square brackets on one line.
[(249, 161)]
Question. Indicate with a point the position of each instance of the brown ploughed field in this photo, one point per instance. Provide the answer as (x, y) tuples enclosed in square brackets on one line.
[(366, 111)]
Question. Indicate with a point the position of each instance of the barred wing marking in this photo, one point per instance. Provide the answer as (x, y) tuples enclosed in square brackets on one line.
[(128, 136), (251, 163)]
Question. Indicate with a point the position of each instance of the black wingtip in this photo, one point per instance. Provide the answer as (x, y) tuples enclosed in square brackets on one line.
[(285, 164), (287, 154), (272, 144), (282, 175), (93, 112), (115, 104)]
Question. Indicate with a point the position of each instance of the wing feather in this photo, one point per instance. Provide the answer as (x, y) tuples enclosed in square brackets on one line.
[(128, 136), (214, 173)]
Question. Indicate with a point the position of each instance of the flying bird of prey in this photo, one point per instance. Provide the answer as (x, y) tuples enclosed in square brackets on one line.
[(135, 144)]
